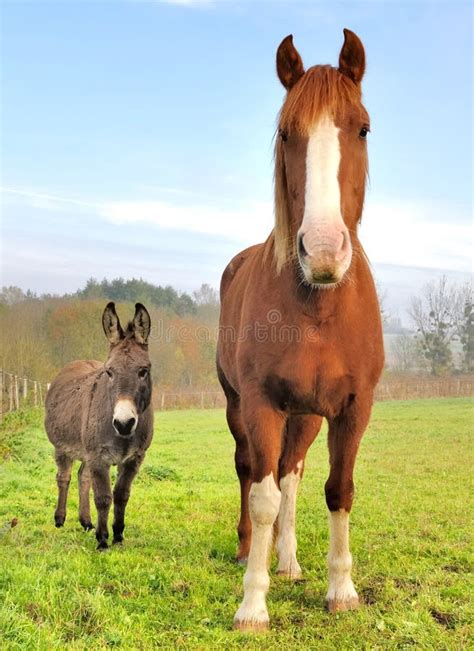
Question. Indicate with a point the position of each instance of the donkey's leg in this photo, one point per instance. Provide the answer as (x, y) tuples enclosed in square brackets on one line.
[(63, 478), (265, 426), (345, 433), (242, 467), (127, 473), (301, 432), (100, 473), (84, 479)]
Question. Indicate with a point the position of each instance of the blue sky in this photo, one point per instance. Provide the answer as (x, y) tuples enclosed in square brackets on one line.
[(137, 136)]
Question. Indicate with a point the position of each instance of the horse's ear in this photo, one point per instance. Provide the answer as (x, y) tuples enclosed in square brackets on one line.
[(111, 324), (289, 64), (141, 324), (352, 57)]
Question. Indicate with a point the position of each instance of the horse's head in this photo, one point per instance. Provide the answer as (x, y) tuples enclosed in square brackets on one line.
[(321, 161), (128, 368)]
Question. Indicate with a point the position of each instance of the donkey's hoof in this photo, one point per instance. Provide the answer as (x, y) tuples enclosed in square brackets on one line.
[(341, 605), (86, 525), (118, 540), (102, 546), (59, 521)]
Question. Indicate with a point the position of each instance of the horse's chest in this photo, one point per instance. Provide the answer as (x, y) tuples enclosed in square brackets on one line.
[(310, 382)]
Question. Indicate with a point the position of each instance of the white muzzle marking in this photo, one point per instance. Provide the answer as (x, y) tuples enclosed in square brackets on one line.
[(124, 411)]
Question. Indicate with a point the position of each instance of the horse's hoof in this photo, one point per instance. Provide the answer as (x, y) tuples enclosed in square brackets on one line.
[(59, 522), (241, 560), (291, 575), (341, 605), (249, 626), (87, 526), (102, 546), (117, 541)]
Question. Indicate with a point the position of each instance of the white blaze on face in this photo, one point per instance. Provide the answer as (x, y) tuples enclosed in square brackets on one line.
[(125, 410), (264, 503), (325, 235), (341, 593)]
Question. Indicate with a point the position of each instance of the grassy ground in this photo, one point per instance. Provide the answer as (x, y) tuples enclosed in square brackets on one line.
[(173, 583)]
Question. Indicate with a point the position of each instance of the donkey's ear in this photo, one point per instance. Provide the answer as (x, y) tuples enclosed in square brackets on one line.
[(111, 324), (289, 64), (141, 324), (352, 57)]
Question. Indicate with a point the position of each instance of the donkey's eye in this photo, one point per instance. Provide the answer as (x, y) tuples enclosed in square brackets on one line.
[(363, 132), (109, 373), (283, 135), (142, 373)]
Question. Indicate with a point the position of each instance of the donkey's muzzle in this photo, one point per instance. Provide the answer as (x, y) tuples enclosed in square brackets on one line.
[(124, 428), (125, 417)]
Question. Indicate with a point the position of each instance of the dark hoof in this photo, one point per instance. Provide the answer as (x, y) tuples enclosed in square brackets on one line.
[(102, 546), (59, 522), (87, 526), (118, 540)]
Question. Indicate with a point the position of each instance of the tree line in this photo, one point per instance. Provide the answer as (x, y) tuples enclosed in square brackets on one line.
[(39, 334)]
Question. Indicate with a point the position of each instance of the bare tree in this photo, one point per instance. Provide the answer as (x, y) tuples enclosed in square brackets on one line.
[(437, 314)]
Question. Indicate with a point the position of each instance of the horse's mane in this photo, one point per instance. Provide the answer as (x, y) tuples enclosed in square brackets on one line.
[(322, 90)]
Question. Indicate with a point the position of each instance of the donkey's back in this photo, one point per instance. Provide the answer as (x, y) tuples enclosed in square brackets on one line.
[(67, 399)]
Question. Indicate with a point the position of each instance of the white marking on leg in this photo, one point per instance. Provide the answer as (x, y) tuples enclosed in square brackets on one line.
[(286, 542), (341, 593), (264, 503)]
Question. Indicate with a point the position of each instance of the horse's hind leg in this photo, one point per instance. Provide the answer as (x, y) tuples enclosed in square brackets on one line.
[(84, 479), (242, 465), (301, 432), (243, 469), (63, 478)]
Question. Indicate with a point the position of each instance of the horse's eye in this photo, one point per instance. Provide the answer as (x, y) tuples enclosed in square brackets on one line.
[(363, 132), (109, 373), (283, 135), (142, 373)]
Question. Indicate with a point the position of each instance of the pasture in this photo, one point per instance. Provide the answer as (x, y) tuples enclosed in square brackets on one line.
[(173, 583)]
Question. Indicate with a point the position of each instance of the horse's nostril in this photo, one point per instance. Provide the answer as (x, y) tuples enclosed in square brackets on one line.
[(301, 250)]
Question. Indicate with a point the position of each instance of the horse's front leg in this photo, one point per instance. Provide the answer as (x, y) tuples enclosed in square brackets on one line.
[(127, 473), (264, 427), (345, 433), (301, 432)]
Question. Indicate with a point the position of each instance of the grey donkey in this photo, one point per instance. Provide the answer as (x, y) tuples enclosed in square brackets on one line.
[(101, 414)]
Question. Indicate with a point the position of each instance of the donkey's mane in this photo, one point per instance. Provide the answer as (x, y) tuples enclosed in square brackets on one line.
[(322, 90)]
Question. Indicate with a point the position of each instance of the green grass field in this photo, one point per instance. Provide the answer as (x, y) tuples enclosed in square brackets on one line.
[(174, 584)]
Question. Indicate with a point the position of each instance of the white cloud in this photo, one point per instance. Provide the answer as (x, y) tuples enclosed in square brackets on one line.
[(398, 232), (417, 233), (248, 223)]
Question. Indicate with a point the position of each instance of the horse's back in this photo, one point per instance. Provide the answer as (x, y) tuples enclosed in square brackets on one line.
[(66, 400), (238, 267)]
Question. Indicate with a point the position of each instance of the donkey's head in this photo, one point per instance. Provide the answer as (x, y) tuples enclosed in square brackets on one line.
[(321, 161), (128, 368)]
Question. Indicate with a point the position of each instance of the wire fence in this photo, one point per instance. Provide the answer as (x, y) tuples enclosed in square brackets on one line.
[(17, 391)]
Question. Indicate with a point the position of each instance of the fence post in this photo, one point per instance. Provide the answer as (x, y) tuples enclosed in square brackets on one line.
[(25, 388), (162, 401), (17, 394), (1, 395), (202, 399), (35, 393), (40, 393)]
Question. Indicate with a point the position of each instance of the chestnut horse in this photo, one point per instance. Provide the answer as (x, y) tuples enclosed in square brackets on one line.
[(300, 331)]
